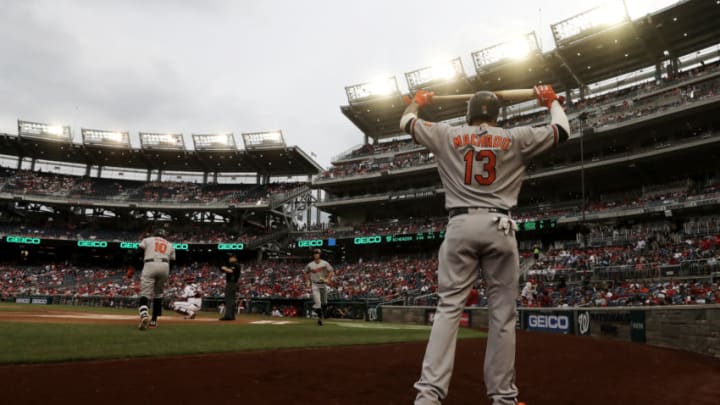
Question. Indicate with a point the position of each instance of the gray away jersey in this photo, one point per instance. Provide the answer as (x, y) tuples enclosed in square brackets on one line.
[(482, 166), (318, 270), (157, 248)]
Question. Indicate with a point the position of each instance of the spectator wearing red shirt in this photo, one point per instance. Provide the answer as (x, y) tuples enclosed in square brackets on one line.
[(473, 298)]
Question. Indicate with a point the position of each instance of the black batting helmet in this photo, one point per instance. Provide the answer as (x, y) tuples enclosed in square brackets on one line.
[(318, 251), (484, 106), (160, 232)]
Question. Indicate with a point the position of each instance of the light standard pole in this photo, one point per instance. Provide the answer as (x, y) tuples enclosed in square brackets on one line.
[(583, 119)]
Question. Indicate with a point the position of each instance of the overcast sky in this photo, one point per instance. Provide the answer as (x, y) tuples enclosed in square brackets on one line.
[(240, 66)]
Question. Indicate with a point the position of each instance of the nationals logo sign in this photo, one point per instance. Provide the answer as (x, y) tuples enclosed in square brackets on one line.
[(583, 323)]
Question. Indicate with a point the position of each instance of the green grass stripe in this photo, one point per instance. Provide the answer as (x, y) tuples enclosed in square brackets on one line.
[(11, 307), (39, 343)]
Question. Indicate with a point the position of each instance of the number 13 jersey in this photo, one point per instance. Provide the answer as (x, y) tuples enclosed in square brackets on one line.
[(482, 166)]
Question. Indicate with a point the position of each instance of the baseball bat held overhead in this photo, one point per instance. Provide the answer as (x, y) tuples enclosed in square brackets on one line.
[(503, 95)]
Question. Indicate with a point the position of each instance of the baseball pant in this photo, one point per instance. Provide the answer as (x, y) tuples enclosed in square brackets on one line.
[(230, 294), (153, 278), (191, 305), (319, 293), (473, 242)]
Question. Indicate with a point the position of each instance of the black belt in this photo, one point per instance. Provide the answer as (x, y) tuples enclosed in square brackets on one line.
[(465, 210), (156, 260)]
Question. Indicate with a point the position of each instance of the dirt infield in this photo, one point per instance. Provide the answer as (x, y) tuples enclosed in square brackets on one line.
[(552, 369), (49, 316)]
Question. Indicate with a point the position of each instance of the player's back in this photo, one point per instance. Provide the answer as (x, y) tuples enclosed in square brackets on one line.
[(157, 248), (482, 166)]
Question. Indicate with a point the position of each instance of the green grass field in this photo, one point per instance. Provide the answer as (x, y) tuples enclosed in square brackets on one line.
[(47, 342)]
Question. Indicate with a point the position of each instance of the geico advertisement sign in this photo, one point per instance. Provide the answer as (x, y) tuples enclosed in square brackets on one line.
[(549, 323), (92, 244), (367, 240), (230, 246), (310, 243), (20, 239)]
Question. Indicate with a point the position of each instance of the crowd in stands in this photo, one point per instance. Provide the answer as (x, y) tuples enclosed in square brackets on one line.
[(537, 293), (627, 200), (650, 248), (677, 192), (379, 164), (38, 183), (643, 89), (48, 184), (607, 109), (392, 227), (277, 279), (644, 252), (394, 146)]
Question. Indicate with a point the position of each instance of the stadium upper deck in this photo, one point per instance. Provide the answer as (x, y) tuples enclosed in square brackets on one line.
[(587, 52), (661, 120), (265, 154)]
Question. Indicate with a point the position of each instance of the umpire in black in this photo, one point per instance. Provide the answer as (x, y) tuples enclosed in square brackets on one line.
[(232, 275)]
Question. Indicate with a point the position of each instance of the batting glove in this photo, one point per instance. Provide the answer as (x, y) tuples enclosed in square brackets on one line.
[(423, 98), (507, 225), (546, 95)]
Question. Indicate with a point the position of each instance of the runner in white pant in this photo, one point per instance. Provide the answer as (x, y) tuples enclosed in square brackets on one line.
[(481, 167), (319, 273)]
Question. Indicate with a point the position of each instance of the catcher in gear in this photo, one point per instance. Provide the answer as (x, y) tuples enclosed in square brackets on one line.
[(481, 167), (191, 300)]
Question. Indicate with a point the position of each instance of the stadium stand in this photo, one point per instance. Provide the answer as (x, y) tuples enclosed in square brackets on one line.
[(36, 183), (624, 213)]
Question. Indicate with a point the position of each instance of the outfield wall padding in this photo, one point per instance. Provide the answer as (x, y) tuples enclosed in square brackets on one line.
[(694, 328)]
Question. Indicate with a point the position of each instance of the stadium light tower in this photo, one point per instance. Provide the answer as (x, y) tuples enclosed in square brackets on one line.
[(50, 132), (512, 50), (154, 140), (217, 141), (115, 139), (446, 71), (375, 88), (265, 139), (607, 15)]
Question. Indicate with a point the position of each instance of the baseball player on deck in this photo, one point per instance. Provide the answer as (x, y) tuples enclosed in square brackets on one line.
[(319, 273), (481, 167), (158, 254)]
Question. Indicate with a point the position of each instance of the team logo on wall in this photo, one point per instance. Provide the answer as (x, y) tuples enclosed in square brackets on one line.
[(583, 320)]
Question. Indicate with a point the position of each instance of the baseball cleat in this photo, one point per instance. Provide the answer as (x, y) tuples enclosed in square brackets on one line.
[(153, 324), (144, 322), (320, 322)]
